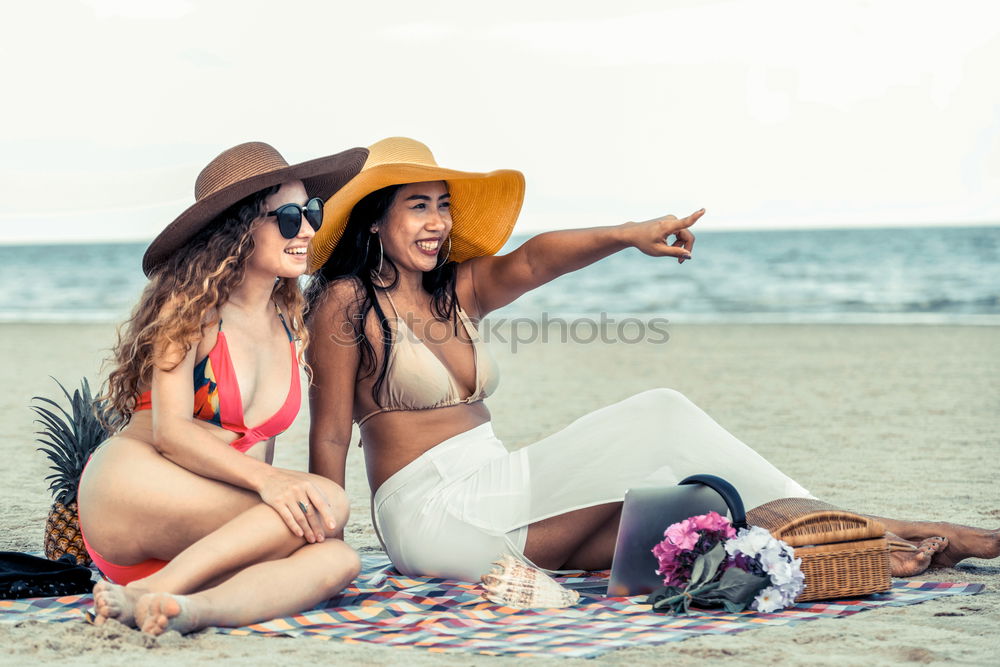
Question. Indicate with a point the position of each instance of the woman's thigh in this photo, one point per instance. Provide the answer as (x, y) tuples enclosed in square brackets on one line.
[(135, 504)]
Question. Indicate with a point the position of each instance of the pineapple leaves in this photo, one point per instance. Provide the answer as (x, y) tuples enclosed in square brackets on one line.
[(69, 437)]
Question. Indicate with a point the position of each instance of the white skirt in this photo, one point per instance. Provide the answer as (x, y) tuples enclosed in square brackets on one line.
[(456, 508)]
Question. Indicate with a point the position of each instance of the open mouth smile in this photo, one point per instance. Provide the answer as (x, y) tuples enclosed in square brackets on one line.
[(429, 246)]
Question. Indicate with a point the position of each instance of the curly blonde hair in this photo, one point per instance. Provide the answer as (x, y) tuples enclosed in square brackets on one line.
[(183, 296)]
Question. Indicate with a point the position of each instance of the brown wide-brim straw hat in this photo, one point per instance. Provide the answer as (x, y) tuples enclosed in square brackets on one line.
[(239, 172), (484, 206)]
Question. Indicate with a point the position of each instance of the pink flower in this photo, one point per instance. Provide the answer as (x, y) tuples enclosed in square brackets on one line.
[(675, 554), (666, 553), (683, 534), (714, 522), (670, 569)]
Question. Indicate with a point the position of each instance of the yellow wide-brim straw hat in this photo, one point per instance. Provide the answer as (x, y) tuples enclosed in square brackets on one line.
[(484, 206)]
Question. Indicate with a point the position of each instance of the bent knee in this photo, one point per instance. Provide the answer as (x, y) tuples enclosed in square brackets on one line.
[(352, 562), (344, 565), (661, 397), (337, 498)]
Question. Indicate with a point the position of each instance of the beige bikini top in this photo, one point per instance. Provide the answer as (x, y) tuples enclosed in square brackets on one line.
[(416, 379)]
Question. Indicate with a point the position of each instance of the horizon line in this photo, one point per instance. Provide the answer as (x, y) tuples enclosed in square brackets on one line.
[(723, 228)]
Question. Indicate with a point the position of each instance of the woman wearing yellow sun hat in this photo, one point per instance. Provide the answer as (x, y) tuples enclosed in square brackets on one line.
[(404, 267)]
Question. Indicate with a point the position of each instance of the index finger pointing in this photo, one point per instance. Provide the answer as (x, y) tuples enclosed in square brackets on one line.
[(693, 218), (684, 223)]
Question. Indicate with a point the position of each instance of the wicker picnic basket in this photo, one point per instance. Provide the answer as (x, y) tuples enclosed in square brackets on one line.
[(843, 554)]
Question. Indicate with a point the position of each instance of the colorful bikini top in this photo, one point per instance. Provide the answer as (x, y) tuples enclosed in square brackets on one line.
[(217, 397), (416, 379)]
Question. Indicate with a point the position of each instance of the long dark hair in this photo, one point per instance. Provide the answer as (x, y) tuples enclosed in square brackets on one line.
[(357, 258)]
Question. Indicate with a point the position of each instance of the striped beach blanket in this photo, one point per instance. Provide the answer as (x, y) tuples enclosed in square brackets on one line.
[(385, 608)]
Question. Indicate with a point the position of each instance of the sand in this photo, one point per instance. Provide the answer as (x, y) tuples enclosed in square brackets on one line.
[(896, 420)]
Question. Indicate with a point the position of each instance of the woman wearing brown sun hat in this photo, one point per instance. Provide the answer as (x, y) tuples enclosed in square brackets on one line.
[(181, 510), (404, 268)]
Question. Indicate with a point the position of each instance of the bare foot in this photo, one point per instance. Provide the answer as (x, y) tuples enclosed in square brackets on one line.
[(156, 613), (114, 601), (909, 561), (963, 541)]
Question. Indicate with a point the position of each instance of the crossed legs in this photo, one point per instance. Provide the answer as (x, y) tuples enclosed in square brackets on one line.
[(233, 560)]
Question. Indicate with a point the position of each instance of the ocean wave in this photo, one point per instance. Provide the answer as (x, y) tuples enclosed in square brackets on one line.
[(911, 318), (871, 276), (59, 317)]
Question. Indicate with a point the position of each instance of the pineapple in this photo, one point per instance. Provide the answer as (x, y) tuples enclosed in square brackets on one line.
[(68, 440)]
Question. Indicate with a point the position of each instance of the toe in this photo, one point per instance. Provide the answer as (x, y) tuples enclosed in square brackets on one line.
[(162, 620), (151, 623), (934, 544), (910, 563), (154, 619)]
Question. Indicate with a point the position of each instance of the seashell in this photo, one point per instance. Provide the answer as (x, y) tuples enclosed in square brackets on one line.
[(516, 584)]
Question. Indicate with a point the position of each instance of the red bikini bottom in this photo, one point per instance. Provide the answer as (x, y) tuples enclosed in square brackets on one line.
[(118, 574), (122, 574)]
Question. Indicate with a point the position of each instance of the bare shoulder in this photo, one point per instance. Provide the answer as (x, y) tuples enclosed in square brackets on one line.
[(178, 334), (332, 319), (338, 300), (465, 287)]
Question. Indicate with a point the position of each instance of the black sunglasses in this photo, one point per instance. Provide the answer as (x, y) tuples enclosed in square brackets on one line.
[(290, 217)]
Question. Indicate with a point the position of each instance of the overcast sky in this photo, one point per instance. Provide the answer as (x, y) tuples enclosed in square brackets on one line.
[(783, 113)]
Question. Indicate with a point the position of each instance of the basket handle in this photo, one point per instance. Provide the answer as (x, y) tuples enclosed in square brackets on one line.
[(728, 493), (857, 531)]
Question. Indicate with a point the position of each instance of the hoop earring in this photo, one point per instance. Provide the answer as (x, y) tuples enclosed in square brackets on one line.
[(381, 257), (446, 255)]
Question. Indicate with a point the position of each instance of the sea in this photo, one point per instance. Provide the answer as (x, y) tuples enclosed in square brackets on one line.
[(918, 275)]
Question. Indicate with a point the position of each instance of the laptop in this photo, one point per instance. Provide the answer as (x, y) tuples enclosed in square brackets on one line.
[(646, 513)]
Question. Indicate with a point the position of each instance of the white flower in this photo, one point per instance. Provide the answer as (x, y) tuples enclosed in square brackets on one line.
[(797, 577), (750, 541), (771, 554), (777, 559), (798, 581), (788, 594), (759, 540), (795, 584), (768, 600), (780, 571)]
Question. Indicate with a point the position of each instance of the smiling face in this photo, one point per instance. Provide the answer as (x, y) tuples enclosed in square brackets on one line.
[(273, 254), (417, 225)]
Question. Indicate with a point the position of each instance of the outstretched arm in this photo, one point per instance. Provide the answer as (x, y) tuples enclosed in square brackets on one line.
[(497, 281)]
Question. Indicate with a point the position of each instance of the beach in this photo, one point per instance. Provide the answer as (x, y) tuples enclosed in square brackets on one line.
[(898, 420)]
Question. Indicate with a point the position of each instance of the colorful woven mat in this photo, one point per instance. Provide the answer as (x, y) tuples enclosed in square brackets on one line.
[(385, 608)]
